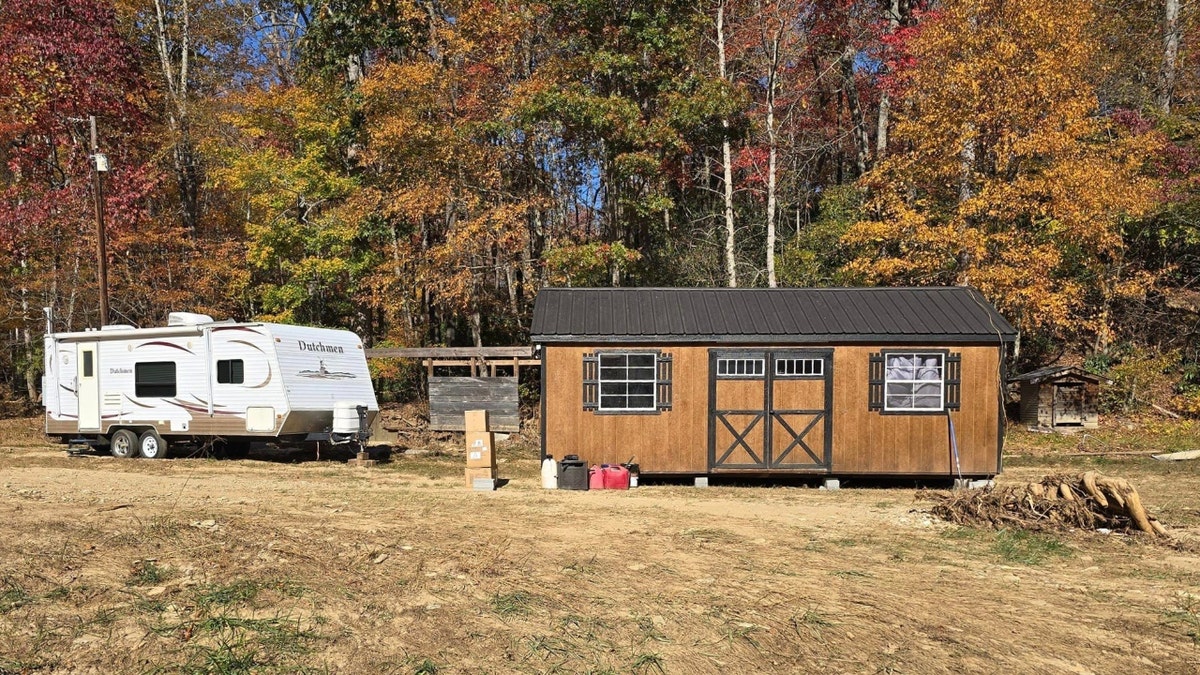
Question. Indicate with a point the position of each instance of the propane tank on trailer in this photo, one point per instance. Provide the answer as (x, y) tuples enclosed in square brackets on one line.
[(347, 421)]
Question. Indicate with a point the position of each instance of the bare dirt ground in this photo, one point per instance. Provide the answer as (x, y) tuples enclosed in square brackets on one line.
[(262, 565)]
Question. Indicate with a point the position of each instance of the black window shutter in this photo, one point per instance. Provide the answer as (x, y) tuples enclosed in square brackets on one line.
[(664, 382), (953, 381), (591, 382), (875, 382)]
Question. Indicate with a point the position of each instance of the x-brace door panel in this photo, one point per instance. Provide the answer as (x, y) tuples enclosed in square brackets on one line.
[(770, 409)]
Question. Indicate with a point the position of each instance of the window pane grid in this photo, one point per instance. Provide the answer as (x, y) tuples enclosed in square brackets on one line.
[(627, 381), (740, 367), (800, 367), (914, 381)]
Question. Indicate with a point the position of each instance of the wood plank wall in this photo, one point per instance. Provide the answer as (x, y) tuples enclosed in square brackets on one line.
[(451, 397), (670, 441), (864, 441)]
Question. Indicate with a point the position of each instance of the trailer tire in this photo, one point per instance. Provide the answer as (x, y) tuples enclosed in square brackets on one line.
[(151, 445), (123, 444)]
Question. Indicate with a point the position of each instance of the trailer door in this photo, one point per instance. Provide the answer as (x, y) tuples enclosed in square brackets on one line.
[(87, 386)]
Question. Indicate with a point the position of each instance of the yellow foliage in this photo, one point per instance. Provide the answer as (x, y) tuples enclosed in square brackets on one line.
[(1005, 177)]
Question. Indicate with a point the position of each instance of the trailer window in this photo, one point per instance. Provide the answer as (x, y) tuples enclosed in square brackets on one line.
[(231, 371), (155, 379)]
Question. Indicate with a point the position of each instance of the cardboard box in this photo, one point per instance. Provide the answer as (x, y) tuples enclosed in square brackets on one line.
[(481, 449), (473, 472), (476, 420)]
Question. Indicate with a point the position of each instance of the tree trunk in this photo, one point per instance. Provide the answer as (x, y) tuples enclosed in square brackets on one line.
[(858, 124), (773, 49), (727, 161), (966, 189), (885, 101), (187, 170), (1166, 76)]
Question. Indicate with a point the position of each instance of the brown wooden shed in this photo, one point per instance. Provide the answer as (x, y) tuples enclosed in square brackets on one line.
[(844, 381), (1060, 397)]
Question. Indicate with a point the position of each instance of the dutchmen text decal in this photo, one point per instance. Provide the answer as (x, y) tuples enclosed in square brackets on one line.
[(320, 347)]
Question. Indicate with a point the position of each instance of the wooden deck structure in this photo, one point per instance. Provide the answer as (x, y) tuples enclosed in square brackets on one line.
[(486, 388)]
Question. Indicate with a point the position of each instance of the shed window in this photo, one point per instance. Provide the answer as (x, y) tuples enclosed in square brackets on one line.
[(914, 381), (627, 381), (231, 371), (740, 367), (799, 367), (155, 379)]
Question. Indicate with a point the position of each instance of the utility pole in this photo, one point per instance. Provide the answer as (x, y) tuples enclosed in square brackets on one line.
[(99, 166)]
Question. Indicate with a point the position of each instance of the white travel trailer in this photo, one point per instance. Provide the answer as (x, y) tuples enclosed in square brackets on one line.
[(139, 389)]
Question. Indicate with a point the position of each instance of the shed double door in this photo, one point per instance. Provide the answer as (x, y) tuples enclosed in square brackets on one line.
[(769, 410)]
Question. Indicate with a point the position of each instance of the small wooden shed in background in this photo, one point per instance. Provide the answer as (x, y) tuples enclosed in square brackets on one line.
[(1060, 397)]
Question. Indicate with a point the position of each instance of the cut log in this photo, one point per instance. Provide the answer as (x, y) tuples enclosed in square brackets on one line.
[(1178, 456), (1088, 480)]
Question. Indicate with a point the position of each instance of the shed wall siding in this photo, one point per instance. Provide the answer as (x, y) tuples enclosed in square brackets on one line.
[(671, 441), (864, 441)]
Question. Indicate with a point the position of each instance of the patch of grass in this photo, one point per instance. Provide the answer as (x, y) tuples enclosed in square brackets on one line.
[(1028, 548), (240, 591), (646, 663), (649, 629), (810, 619), (709, 534), (511, 604), (148, 573), (846, 574), (226, 643), (580, 567), (426, 667), (12, 597), (1187, 613)]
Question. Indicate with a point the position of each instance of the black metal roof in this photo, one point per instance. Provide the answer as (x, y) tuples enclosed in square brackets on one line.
[(1051, 373), (775, 315)]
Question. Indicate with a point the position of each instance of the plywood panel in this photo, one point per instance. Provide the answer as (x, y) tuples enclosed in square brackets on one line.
[(451, 397), (798, 394), (741, 395), (674, 440), (867, 441)]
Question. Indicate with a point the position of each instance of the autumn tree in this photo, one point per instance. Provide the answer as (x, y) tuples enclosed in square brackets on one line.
[(1005, 177), (59, 63)]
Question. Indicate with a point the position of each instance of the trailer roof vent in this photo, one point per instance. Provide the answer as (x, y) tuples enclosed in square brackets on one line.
[(187, 319), (116, 326)]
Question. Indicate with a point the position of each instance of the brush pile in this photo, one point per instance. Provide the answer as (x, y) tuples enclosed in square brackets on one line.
[(1087, 501)]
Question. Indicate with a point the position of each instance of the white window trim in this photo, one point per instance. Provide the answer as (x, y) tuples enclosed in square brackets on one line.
[(600, 382), (941, 382), (749, 359), (820, 369)]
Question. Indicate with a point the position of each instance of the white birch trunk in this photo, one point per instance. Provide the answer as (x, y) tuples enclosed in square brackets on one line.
[(1166, 78), (726, 159)]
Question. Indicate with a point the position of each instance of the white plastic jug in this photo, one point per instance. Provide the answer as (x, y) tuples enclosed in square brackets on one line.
[(549, 473)]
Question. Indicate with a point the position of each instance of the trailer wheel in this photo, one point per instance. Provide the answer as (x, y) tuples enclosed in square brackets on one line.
[(123, 443), (152, 446)]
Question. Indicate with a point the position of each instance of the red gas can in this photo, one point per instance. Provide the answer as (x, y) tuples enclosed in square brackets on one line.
[(596, 477), (616, 477)]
